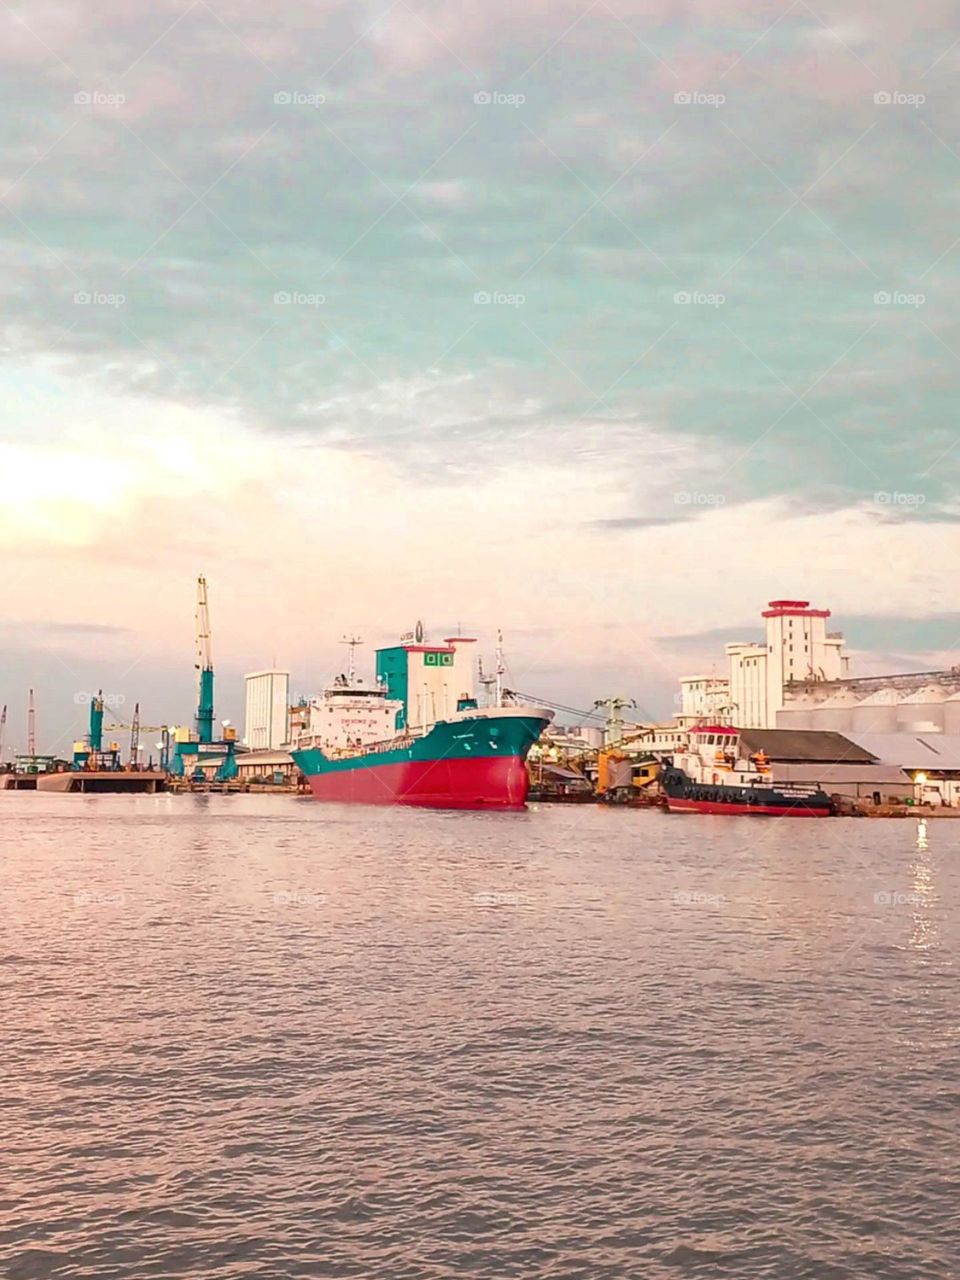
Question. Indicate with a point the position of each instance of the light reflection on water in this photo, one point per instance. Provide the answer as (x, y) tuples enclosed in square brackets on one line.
[(268, 1038)]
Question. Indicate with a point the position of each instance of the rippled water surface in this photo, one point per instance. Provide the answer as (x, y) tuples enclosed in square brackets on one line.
[(268, 1038)]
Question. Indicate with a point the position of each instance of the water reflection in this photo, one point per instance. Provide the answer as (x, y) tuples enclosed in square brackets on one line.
[(926, 932)]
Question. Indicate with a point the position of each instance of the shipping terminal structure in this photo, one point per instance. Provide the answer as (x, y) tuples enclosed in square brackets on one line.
[(417, 735)]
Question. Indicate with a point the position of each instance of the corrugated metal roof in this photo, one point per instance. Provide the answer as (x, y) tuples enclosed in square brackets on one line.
[(828, 775), (818, 746), (913, 751)]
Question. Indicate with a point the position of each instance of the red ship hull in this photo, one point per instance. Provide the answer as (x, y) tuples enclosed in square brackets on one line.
[(493, 782), (676, 805)]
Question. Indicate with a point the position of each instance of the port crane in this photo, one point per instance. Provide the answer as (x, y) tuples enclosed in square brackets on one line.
[(190, 749), (89, 753), (136, 730), (613, 730), (204, 665)]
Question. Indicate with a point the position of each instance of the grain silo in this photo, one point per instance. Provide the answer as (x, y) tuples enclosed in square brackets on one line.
[(836, 713), (951, 714), (877, 713), (922, 710)]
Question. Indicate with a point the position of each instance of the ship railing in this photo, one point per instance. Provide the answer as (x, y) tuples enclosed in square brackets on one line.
[(369, 748), (798, 788)]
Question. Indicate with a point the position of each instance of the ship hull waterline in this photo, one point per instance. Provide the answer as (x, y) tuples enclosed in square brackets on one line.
[(732, 809), (492, 783)]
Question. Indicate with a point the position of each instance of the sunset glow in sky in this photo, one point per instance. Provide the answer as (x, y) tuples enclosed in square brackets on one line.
[(604, 323)]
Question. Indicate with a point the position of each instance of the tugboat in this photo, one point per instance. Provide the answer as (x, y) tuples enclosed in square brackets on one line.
[(711, 775), (417, 735)]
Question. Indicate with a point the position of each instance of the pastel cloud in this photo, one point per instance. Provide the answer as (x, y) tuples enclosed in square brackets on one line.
[(200, 415)]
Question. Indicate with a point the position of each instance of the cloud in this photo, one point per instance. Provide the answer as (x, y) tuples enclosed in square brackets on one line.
[(484, 382)]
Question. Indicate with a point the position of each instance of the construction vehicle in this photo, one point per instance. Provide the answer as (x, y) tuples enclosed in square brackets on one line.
[(626, 779)]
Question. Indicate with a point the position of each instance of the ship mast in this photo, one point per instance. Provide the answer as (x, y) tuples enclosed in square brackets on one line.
[(500, 668), (352, 642)]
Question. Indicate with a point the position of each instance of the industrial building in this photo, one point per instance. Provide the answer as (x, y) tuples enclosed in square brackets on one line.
[(268, 767), (796, 647), (799, 678), (267, 718), (922, 702)]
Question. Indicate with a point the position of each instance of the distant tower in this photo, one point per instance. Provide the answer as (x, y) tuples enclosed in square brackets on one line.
[(31, 727), (267, 721)]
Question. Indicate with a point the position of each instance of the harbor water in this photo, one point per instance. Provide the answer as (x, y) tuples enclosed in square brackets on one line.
[(269, 1038)]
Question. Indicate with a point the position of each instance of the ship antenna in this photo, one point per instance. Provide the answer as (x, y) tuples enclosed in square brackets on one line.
[(500, 668), (352, 642)]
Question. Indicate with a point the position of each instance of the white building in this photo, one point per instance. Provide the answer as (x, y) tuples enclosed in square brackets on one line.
[(703, 698), (267, 725), (797, 646)]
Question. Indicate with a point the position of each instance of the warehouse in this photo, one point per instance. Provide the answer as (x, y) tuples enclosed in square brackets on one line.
[(833, 761)]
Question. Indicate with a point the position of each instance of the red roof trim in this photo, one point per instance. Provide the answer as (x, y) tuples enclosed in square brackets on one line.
[(459, 640), (715, 728), (427, 648), (793, 609)]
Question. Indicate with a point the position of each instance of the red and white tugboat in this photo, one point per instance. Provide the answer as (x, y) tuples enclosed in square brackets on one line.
[(711, 774)]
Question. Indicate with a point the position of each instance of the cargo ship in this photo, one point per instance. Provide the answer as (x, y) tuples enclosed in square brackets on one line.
[(416, 734), (710, 774)]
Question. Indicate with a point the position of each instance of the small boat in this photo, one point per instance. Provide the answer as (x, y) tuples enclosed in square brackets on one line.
[(710, 775)]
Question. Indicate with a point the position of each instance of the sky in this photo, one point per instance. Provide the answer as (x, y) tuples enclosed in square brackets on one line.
[(603, 323)]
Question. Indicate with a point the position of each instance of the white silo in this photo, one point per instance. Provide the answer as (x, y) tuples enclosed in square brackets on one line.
[(951, 714), (921, 710), (796, 715), (877, 714), (836, 713)]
